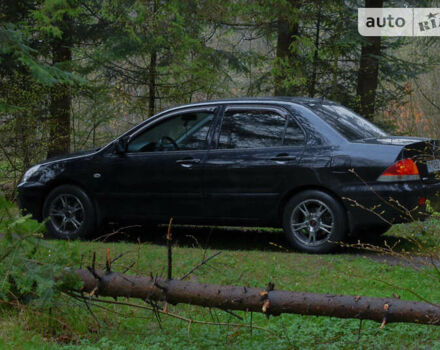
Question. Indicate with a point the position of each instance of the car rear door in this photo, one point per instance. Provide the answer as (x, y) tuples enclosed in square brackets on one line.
[(160, 175), (254, 158)]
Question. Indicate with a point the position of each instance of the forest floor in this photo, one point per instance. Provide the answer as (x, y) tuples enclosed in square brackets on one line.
[(249, 257)]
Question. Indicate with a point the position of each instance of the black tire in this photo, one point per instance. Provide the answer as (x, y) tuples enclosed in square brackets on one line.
[(70, 213), (320, 229)]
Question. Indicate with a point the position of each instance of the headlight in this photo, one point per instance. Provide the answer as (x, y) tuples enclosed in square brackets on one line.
[(31, 171)]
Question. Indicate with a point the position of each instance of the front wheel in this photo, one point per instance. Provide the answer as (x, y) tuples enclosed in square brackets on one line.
[(314, 222), (70, 213)]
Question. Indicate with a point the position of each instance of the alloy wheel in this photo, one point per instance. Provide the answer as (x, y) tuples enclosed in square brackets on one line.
[(67, 214), (312, 222)]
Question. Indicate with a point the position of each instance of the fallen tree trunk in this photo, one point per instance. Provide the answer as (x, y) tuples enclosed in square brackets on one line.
[(268, 301)]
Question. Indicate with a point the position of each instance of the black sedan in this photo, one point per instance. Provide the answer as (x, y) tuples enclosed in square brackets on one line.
[(311, 166)]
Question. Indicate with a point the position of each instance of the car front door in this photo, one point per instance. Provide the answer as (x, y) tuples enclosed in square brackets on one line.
[(256, 154), (160, 174)]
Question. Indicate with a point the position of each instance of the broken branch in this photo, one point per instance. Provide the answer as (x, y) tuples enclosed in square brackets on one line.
[(250, 299)]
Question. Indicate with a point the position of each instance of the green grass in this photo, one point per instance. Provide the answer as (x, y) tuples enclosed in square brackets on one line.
[(247, 259)]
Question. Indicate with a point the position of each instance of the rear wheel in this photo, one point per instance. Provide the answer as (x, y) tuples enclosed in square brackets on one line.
[(70, 213), (314, 222)]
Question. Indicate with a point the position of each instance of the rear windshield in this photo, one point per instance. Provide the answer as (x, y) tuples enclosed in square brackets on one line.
[(347, 123)]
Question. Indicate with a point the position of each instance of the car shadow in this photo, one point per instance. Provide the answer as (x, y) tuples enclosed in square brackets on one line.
[(220, 238), (235, 238)]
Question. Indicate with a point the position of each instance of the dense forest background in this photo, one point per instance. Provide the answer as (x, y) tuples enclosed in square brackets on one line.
[(77, 73)]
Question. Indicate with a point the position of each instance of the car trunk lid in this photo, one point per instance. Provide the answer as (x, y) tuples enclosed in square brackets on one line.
[(426, 155), (425, 152)]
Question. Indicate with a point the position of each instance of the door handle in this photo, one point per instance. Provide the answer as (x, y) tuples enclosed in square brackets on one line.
[(283, 158), (188, 161)]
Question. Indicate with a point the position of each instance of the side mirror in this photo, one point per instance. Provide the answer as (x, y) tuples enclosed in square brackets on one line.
[(121, 145)]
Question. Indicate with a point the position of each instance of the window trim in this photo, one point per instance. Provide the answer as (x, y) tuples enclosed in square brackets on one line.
[(277, 109), (213, 109)]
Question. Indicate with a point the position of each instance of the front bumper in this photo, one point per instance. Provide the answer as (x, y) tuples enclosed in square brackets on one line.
[(388, 203), (31, 197)]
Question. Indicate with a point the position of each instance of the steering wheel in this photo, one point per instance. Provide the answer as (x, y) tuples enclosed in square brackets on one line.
[(168, 139)]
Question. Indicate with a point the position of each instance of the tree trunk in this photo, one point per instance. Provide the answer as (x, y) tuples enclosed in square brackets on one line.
[(288, 29), (268, 301), (312, 85), (152, 72), (60, 100), (152, 84), (369, 70)]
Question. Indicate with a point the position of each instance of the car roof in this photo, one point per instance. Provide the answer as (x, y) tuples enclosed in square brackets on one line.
[(306, 101)]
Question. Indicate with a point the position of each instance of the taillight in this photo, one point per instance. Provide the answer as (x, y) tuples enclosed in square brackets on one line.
[(403, 170)]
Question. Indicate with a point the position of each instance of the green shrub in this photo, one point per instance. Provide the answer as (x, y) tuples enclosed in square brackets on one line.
[(29, 266)]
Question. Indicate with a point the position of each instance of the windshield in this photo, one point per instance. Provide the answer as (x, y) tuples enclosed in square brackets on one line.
[(349, 124)]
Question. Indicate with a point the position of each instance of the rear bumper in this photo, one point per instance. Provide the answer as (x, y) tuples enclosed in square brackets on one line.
[(387, 203), (30, 198)]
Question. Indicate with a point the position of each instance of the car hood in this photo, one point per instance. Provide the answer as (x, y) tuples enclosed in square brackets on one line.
[(70, 155), (393, 140)]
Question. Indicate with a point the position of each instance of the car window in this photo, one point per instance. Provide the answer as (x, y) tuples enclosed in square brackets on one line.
[(187, 131), (294, 134), (349, 124), (256, 129)]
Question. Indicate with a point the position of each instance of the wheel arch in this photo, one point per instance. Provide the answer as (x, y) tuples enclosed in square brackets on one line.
[(66, 181), (293, 192)]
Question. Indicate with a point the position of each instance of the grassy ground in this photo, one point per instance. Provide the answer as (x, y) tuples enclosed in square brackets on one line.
[(249, 258)]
